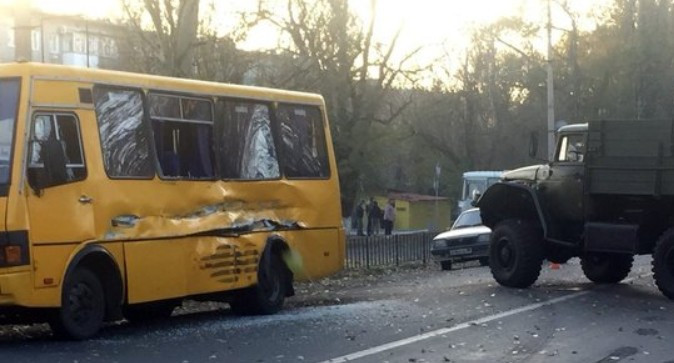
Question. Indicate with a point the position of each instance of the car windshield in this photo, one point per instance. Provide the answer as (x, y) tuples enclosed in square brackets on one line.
[(468, 219)]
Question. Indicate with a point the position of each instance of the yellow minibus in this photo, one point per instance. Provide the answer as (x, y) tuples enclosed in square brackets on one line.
[(122, 194)]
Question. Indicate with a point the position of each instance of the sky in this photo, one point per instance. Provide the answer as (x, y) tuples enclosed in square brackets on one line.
[(441, 26)]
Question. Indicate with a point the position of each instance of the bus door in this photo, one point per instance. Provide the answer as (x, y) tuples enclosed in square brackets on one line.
[(59, 202)]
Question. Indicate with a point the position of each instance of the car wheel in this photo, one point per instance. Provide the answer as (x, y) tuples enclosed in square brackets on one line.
[(446, 265), (516, 253), (663, 264), (606, 268), (82, 306)]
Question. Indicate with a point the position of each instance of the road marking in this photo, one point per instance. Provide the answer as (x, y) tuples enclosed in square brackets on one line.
[(438, 332)]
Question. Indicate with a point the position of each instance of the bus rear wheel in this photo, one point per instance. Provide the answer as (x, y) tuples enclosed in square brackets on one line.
[(268, 295), (82, 306)]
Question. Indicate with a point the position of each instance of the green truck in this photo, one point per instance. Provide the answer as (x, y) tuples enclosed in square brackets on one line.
[(607, 196)]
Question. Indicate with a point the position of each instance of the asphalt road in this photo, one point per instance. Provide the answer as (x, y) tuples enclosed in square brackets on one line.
[(406, 315)]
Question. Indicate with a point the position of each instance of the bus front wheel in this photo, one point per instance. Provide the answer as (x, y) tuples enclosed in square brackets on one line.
[(268, 295), (82, 306)]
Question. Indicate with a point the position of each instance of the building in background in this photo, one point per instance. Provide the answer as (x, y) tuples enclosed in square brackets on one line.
[(418, 211), (60, 39)]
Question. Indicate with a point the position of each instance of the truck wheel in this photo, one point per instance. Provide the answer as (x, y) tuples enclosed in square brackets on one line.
[(268, 295), (516, 253), (663, 264), (606, 268), (446, 265), (82, 306)]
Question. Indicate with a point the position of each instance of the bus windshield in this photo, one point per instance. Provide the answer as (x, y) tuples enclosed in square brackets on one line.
[(9, 97)]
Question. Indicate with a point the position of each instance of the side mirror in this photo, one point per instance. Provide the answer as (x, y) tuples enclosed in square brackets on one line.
[(533, 145)]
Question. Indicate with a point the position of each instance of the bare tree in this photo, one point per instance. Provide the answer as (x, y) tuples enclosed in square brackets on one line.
[(331, 51), (166, 44)]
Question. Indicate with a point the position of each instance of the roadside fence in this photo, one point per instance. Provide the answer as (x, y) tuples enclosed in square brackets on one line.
[(393, 250)]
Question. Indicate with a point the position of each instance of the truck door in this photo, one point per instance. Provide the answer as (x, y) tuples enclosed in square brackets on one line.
[(562, 181), (59, 206)]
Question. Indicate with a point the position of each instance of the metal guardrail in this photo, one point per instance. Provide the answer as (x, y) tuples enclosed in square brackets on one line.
[(393, 250)]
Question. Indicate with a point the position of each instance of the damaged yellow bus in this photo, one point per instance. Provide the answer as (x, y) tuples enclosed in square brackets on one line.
[(122, 194)]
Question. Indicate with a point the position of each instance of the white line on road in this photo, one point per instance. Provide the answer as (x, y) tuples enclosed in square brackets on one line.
[(435, 333)]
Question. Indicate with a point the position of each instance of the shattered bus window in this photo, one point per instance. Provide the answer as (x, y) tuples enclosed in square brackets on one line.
[(247, 146), (304, 153), (183, 135), (126, 151)]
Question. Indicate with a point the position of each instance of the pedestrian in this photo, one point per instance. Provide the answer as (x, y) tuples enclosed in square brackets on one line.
[(369, 211), (360, 211), (389, 216), (375, 221)]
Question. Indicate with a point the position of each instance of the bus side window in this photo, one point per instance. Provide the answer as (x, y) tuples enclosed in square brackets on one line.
[(124, 137), (183, 135), (55, 155), (303, 141), (247, 149)]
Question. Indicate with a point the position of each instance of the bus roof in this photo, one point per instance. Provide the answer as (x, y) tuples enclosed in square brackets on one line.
[(140, 80), (482, 174)]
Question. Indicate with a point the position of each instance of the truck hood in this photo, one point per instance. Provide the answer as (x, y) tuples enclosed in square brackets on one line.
[(527, 173)]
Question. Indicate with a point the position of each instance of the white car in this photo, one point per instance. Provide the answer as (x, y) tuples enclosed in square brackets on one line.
[(467, 240)]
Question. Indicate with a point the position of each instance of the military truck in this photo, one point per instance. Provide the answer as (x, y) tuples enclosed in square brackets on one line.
[(607, 196)]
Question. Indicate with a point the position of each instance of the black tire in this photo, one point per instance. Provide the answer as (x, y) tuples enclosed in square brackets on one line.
[(606, 268), (516, 253), (484, 261), (268, 295), (663, 264), (82, 306), (148, 312), (446, 265)]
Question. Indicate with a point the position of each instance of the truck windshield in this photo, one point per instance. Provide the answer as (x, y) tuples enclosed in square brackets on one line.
[(9, 100)]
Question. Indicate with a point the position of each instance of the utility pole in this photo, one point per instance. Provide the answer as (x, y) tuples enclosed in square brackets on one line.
[(551, 93)]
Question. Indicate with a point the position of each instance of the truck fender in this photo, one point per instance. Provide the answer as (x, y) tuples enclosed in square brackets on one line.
[(504, 200)]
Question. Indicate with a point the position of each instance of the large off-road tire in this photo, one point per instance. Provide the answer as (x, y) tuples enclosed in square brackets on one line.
[(663, 264), (606, 268), (82, 306), (516, 253), (446, 265), (143, 313), (268, 295)]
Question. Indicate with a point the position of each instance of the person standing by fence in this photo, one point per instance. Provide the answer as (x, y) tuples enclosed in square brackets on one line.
[(360, 211), (389, 216), (373, 217)]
